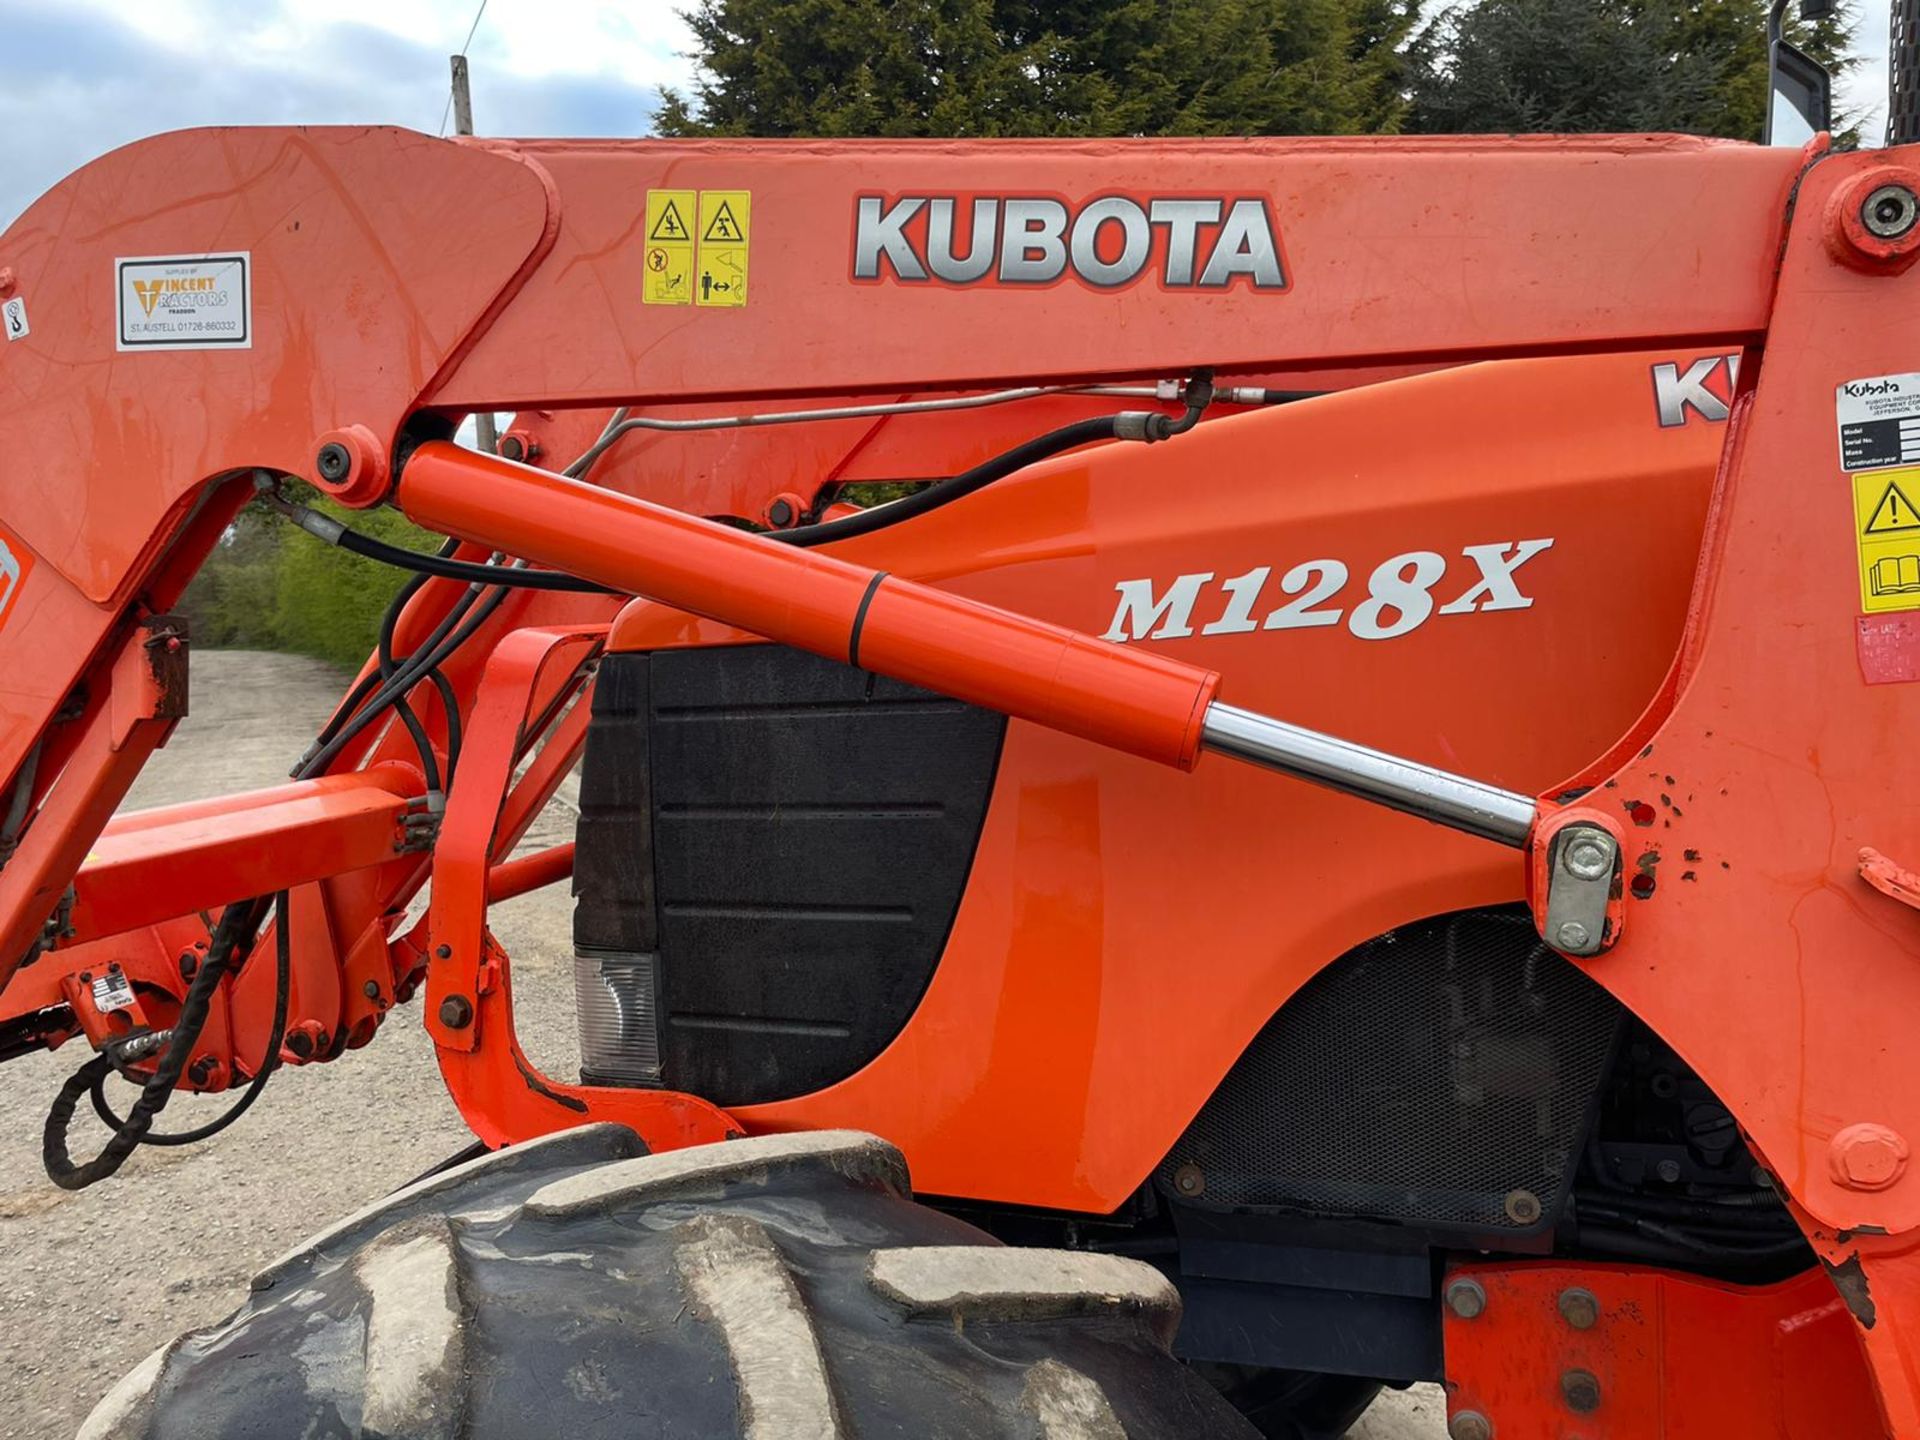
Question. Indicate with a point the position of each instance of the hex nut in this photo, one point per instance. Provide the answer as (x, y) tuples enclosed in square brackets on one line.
[(1867, 1157), (1579, 1307), (456, 1012), (1588, 854), (1466, 1298), (1572, 935)]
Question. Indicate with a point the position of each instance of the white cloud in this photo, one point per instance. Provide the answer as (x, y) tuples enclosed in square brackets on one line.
[(85, 76)]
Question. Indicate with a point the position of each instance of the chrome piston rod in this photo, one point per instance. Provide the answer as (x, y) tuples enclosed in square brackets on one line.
[(1436, 795)]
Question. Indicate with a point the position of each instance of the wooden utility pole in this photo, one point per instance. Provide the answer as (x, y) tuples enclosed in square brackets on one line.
[(484, 430)]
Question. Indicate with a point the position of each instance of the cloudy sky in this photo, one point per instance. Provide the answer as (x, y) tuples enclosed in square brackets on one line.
[(78, 77)]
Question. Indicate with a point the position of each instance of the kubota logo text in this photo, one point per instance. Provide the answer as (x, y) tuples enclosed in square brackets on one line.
[(1183, 243)]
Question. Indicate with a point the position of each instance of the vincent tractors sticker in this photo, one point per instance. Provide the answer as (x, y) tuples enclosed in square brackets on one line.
[(185, 302)]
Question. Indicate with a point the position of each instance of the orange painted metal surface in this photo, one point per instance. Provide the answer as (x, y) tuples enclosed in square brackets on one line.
[(1659, 1357), (150, 865), (469, 979), (1541, 242), (527, 873)]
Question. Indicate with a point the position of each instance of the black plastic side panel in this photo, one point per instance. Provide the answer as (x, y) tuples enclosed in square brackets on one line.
[(792, 836), (1440, 1075)]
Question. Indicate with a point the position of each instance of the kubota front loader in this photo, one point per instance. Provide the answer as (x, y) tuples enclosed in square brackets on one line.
[(1353, 822)]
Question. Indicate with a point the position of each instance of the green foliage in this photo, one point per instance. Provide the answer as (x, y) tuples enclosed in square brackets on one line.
[(984, 68), (231, 604), (268, 586), (1508, 66)]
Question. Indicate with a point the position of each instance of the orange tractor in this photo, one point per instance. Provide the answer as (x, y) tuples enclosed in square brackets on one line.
[(1550, 507)]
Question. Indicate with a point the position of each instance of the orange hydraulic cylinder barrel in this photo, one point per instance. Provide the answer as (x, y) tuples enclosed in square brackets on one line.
[(1131, 700)]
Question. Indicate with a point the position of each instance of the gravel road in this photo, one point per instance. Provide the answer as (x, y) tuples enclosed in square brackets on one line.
[(97, 1279)]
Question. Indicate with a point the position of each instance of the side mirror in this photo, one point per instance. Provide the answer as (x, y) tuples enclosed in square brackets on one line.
[(1799, 97), (1799, 90)]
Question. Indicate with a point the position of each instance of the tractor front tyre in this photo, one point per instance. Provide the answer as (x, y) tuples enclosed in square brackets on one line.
[(778, 1288)]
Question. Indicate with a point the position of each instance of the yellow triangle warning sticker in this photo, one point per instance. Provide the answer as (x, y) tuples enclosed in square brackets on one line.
[(1896, 511), (723, 226), (669, 226), (1886, 528)]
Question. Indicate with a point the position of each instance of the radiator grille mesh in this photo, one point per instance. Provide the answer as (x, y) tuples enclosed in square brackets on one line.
[(1426, 1076)]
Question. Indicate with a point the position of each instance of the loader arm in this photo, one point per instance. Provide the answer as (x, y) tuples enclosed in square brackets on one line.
[(214, 313)]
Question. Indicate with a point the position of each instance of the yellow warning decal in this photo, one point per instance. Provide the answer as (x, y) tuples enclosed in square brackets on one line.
[(668, 275), (1887, 529), (726, 229)]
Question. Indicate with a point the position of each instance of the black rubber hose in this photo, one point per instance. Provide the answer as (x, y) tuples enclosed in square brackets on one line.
[(388, 621), (945, 492), (441, 643), (450, 703), (429, 766), (270, 1061), (508, 575), (235, 930)]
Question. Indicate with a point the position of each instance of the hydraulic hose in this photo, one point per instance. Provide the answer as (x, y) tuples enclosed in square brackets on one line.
[(406, 559), (1147, 426), (282, 985), (945, 492), (234, 933)]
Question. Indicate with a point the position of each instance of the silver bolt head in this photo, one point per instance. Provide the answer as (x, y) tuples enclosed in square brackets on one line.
[(1588, 855), (1890, 212), (1572, 935), (1466, 1298), (1580, 1307), (1469, 1425)]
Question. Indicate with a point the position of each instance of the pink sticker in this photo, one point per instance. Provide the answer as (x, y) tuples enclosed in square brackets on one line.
[(1889, 648)]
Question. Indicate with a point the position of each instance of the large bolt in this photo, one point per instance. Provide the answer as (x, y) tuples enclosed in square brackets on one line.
[(333, 462), (1572, 935), (1867, 1157), (1581, 1390), (1469, 1425), (456, 1012), (1588, 855), (1579, 1307), (1890, 212), (1466, 1298)]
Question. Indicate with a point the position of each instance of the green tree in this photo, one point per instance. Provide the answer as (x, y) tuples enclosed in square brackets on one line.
[(1604, 65), (267, 586), (983, 68)]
